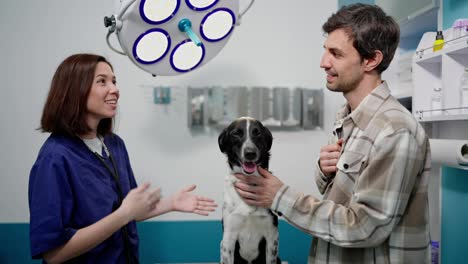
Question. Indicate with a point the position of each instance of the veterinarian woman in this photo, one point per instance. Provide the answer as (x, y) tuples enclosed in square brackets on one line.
[(83, 197)]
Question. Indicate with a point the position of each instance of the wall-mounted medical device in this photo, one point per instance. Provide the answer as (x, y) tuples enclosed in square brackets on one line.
[(280, 108), (162, 95), (171, 37)]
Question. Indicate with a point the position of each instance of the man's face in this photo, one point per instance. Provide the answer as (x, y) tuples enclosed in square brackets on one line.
[(341, 62)]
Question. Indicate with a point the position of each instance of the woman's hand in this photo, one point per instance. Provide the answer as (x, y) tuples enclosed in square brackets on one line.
[(140, 202), (185, 201)]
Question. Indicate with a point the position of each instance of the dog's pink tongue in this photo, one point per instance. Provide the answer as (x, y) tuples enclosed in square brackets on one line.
[(249, 167)]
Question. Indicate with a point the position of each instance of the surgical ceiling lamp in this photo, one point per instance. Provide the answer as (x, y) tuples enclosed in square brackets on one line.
[(171, 37)]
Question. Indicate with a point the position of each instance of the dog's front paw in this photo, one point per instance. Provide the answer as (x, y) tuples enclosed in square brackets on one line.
[(226, 256)]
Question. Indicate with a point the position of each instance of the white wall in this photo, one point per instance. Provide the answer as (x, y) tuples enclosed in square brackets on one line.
[(278, 43)]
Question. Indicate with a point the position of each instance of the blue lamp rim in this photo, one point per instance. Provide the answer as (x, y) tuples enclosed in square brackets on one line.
[(146, 33), (192, 68), (198, 8), (209, 14), (152, 22)]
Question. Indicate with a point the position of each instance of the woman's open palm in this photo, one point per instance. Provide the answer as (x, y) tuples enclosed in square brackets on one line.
[(186, 201)]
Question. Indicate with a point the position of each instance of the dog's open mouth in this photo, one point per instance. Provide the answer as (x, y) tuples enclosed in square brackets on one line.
[(249, 167)]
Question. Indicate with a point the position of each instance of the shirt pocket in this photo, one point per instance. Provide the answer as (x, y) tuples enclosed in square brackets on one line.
[(349, 166)]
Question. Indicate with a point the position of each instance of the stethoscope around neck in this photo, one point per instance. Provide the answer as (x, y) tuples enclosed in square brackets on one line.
[(115, 175), (114, 172)]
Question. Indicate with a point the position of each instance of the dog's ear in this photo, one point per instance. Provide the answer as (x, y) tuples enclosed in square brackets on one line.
[(222, 140)]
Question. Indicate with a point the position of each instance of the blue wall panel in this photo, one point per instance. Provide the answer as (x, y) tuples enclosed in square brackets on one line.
[(453, 10), (454, 246), (454, 201), (14, 244), (165, 242)]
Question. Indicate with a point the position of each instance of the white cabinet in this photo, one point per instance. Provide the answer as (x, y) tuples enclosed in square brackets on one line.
[(414, 18), (440, 69)]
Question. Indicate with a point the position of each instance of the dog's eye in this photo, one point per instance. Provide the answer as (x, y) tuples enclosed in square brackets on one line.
[(237, 133), (255, 132)]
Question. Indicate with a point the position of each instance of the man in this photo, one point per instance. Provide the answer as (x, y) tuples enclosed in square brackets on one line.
[(374, 176)]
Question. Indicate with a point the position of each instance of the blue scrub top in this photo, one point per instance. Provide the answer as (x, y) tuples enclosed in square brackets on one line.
[(70, 188)]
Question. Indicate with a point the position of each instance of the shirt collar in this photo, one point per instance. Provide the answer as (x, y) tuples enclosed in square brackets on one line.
[(366, 110)]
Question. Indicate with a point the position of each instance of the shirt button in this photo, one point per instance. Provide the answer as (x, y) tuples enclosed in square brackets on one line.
[(346, 166)]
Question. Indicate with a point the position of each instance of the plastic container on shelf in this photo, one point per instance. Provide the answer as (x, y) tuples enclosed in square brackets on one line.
[(460, 28), (436, 102), (464, 31), (464, 92), (456, 29)]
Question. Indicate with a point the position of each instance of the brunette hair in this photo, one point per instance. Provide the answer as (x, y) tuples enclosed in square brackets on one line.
[(369, 28), (65, 108)]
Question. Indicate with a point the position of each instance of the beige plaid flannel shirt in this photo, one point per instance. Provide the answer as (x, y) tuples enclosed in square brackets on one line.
[(375, 209)]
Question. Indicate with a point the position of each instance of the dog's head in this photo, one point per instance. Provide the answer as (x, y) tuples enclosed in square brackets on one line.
[(246, 143)]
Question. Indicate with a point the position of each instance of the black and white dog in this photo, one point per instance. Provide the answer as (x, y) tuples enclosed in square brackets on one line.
[(250, 234)]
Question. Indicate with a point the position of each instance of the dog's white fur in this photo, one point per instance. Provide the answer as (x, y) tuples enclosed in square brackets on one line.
[(248, 224), (245, 223)]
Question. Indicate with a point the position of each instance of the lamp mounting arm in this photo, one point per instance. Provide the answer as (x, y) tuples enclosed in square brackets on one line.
[(112, 24), (241, 14)]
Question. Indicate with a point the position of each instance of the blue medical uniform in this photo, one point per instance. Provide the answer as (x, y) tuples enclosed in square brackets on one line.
[(70, 188)]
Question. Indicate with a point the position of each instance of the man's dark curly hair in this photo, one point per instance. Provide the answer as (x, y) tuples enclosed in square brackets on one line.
[(369, 28)]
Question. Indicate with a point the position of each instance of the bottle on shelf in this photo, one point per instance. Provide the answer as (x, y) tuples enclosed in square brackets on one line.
[(436, 102), (464, 92), (439, 41), (457, 29), (464, 30)]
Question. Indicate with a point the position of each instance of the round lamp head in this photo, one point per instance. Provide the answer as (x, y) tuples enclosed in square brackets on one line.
[(170, 37)]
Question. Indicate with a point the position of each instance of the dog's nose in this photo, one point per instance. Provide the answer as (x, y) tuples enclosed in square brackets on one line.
[(250, 154)]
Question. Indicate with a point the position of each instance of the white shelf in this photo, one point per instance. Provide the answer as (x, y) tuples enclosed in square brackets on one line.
[(443, 118), (429, 58), (458, 49), (439, 69)]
